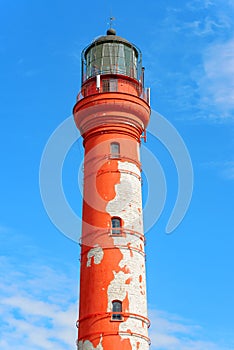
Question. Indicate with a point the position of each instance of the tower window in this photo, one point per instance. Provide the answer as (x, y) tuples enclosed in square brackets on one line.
[(109, 85), (116, 307), (116, 226), (115, 149)]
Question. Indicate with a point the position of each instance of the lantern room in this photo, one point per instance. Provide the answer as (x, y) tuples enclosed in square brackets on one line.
[(111, 54), (112, 64)]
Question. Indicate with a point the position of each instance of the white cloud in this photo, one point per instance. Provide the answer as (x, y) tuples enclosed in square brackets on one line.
[(207, 26), (197, 5), (225, 169), (170, 332), (37, 305), (201, 83), (200, 18), (216, 85)]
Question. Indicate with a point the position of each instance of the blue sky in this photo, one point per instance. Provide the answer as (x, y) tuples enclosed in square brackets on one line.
[(188, 52)]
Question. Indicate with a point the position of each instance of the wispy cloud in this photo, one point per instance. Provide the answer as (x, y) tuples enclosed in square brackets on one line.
[(37, 305), (200, 4), (200, 18), (214, 75), (206, 26), (216, 84), (225, 169), (197, 72), (171, 332)]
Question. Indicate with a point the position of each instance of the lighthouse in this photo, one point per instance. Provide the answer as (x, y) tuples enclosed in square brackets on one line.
[(112, 112)]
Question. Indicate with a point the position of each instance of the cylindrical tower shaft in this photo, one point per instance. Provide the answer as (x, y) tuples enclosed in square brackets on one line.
[(111, 114)]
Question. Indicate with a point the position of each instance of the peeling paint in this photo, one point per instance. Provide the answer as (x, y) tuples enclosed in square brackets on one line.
[(87, 345), (127, 205), (97, 254)]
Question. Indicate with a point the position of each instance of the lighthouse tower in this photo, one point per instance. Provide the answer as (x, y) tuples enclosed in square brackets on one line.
[(112, 113)]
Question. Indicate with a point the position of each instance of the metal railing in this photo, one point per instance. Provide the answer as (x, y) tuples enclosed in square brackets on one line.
[(129, 87)]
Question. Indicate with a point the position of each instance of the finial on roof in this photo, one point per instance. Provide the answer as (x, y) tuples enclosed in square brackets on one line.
[(111, 31)]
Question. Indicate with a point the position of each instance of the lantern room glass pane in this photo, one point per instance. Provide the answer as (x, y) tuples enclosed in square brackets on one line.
[(111, 58), (97, 51)]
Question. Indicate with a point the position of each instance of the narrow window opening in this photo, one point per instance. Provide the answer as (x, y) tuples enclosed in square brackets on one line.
[(115, 149), (116, 226), (116, 307), (105, 85), (109, 85), (113, 85)]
